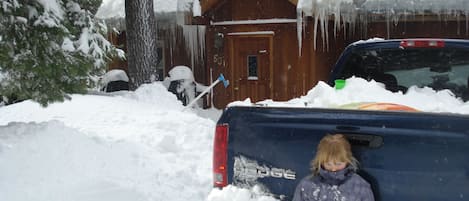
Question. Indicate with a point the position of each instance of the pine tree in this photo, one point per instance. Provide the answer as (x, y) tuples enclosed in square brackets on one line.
[(49, 49)]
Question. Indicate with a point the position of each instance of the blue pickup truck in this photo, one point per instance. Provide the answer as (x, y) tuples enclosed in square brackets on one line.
[(403, 155)]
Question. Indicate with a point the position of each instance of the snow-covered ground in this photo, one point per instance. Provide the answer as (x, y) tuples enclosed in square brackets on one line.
[(134, 146), (130, 146)]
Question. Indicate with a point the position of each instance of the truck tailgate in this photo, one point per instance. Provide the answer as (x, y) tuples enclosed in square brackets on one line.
[(404, 155)]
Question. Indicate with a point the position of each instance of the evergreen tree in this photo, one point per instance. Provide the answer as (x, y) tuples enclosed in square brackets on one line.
[(49, 49)]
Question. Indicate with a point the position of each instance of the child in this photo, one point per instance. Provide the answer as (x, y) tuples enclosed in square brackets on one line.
[(334, 177)]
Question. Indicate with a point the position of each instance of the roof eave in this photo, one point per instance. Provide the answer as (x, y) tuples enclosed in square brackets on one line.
[(207, 5)]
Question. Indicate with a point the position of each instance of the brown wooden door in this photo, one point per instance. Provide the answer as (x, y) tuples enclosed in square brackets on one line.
[(251, 67)]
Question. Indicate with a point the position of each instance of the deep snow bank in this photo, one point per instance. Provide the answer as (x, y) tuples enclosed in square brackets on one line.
[(130, 146)]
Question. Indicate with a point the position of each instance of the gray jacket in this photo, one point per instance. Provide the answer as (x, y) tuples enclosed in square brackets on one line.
[(344, 185)]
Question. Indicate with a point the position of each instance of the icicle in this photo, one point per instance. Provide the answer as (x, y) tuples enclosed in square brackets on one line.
[(467, 22), (325, 32), (194, 37), (316, 21), (188, 32), (171, 37), (336, 17), (387, 24), (202, 30), (299, 29)]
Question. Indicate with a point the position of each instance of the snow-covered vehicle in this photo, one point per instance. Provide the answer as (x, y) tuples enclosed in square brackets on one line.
[(403, 154), (115, 80)]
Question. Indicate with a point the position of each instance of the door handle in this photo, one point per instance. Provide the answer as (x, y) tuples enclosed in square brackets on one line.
[(370, 141)]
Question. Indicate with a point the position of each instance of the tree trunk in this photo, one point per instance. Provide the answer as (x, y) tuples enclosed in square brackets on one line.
[(141, 42)]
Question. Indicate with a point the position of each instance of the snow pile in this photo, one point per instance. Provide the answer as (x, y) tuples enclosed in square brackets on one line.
[(50, 161), (359, 90), (130, 146)]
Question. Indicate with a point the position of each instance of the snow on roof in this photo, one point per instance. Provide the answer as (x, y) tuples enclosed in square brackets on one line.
[(116, 8)]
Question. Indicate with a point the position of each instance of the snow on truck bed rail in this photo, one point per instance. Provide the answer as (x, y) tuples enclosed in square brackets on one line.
[(359, 90)]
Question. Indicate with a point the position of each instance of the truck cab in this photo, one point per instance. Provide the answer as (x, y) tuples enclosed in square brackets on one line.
[(399, 64)]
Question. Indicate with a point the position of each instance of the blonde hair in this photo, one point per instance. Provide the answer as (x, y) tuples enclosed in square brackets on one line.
[(333, 148)]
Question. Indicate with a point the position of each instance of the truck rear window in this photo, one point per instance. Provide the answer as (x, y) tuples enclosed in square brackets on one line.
[(398, 68)]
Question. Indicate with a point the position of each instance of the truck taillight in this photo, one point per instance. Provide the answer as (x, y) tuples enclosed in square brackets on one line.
[(422, 43), (220, 154)]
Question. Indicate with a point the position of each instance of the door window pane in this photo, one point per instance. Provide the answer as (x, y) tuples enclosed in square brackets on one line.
[(252, 67)]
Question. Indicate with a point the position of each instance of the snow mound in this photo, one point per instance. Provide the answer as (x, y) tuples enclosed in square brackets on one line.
[(49, 161), (359, 90), (130, 146), (114, 116)]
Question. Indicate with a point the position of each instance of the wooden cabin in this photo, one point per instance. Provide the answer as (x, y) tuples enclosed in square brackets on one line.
[(255, 44)]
